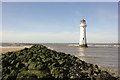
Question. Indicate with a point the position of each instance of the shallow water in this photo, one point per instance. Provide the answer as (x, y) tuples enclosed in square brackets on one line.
[(103, 55)]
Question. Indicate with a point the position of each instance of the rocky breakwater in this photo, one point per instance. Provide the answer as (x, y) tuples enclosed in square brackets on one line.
[(39, 62)]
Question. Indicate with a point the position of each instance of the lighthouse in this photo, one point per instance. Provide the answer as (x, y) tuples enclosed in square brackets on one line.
[(83, 41)]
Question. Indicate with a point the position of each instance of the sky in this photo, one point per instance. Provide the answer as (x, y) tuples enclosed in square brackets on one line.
[(60, 0), (58, 22)]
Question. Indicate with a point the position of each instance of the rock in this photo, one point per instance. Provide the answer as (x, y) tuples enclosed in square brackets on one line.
[(38, 62)]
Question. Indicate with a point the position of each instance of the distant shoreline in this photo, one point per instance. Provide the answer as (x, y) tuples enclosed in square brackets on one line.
[(55, 43), (26, 44), (5, 47)]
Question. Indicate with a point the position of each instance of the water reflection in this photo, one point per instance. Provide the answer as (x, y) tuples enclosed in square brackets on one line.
[(81, 54)]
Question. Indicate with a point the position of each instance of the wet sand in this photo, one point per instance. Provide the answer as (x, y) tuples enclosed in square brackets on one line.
[(105, 56), (4, 50)]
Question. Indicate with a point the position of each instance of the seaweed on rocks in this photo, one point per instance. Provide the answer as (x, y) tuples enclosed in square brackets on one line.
[(38, 63)]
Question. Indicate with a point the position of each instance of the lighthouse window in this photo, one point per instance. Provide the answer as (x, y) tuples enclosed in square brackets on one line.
[(83, 38)]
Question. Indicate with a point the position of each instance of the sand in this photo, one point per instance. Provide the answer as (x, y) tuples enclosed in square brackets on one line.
[(10, 49)]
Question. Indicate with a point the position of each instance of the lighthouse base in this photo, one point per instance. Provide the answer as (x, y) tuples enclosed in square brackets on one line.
[(84, 45)]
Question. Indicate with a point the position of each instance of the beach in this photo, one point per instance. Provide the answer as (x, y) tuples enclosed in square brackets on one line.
[(103, 55), (6, 49), (39, 62)]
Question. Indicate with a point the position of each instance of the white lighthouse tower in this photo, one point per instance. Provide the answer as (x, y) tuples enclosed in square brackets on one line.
[(83, 42)]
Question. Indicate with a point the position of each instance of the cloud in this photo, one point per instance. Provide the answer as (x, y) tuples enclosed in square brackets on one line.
[(62, 37), (40, 37), (102, 38)]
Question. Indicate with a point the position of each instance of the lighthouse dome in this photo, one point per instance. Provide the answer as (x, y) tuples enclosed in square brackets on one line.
[(83, 20), (83, 23)]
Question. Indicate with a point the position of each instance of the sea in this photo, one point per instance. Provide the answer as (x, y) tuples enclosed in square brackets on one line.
[(104, 55)]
